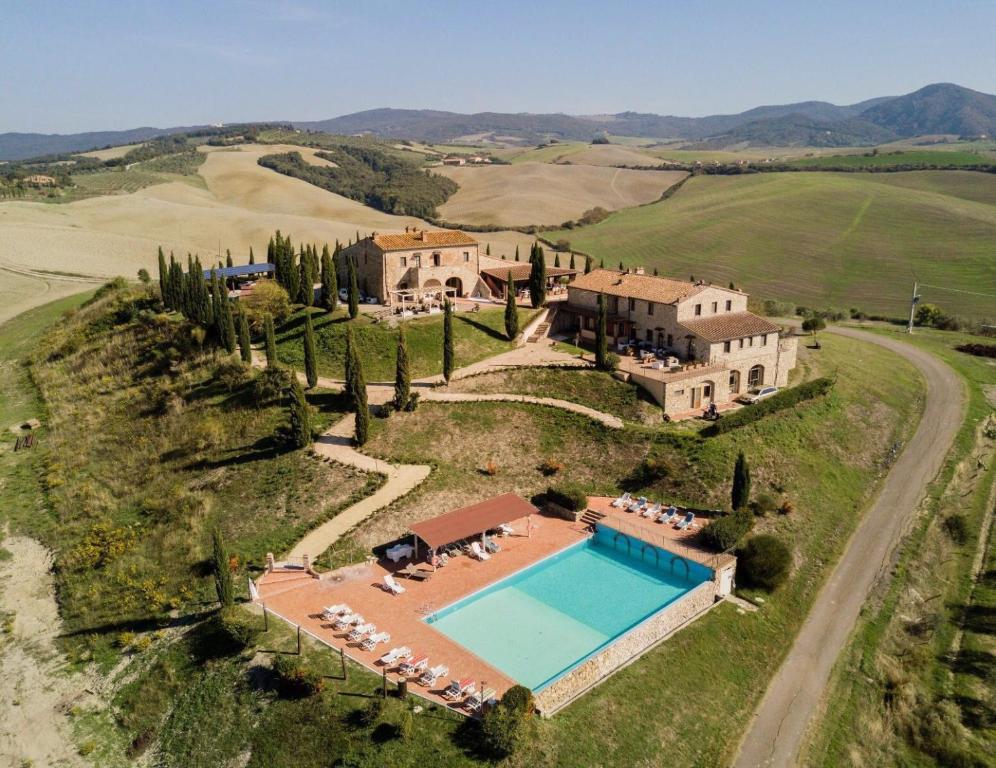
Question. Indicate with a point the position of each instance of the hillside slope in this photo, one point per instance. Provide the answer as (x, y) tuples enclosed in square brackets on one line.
[(818, 239), (936, 109)]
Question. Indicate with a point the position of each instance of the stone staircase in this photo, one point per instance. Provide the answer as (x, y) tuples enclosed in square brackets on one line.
[(591, 517)]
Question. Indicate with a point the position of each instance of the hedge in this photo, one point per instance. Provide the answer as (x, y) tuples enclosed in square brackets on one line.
[(777, 402), (568, 496), (765, 562)]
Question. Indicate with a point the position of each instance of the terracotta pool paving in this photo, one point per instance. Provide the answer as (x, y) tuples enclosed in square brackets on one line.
[(403, 616)]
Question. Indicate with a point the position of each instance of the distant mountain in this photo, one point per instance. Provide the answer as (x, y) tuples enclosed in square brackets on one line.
[(942, 108), (797, 130), (21, 146), (935, 109)]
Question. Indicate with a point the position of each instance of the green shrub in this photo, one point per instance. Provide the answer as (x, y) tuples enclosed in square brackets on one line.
[(238, 627), (296, 679), (373, 712), (956, 527), (505, 728), (765, 562), (568, 496), (726, 532), (764, 504), (777, 402)]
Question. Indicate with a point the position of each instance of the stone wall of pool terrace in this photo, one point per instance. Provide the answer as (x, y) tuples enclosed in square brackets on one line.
[(626, 649)]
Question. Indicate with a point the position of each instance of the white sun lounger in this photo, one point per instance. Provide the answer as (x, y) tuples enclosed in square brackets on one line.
[(430, 676), (392, 586), (476, 700), (396, 655), (334, 611), (374, 640), (413, 664), (505, 529), (361, 631), (476, 551), (458, 688), (667, 515), (637, 505), (652, 511), (622, 501), (686, 521), (347, 620)]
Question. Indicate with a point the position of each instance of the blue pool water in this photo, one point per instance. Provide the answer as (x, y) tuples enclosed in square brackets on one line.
[(538, 624)]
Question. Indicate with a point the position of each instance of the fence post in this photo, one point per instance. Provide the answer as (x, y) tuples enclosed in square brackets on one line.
[(298, 639), (342, 658), (266, 619)]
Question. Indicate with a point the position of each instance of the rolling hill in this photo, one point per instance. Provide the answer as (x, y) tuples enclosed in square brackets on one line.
[(818, 239)]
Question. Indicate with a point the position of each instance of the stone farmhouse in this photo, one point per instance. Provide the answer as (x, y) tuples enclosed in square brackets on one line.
[(702, 345), (416, 263)]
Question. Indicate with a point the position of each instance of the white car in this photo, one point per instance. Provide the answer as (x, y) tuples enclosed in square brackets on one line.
[(760, 394)]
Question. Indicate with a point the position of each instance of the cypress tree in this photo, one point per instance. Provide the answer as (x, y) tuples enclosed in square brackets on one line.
[(300, 417), (330, 289), (162, 277), (310, 361), (655, 272), (601, 335), (271, 342), (511, 313), (271, 257), (292, 272), (740, 493), (487, 250), (348, 366), (402, 374), (306, 294), (222, 571), (556, 259), (587, 264), (601, 264), (537, 279), (516, 252), (252, 257), (448, 355), (572, 261), (228, 258), (229, 337), (354, 290), (621, 267), (245, 348), (359, 388)]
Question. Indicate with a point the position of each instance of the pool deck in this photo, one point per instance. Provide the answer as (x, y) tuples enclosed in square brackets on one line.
[(300, 601), (664, 535)]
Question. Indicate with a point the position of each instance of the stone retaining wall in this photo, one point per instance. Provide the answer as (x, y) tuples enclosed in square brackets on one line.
[(624, 650)]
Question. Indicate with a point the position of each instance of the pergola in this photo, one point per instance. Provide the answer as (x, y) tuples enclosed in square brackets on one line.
[(414, 298), (473, 521)]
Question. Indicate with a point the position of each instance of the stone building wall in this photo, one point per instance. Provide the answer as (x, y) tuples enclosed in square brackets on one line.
[(625, 649)]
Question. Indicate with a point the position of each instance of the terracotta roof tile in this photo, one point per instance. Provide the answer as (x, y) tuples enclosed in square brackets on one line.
[(423, 238), (662, 290), (732, 326), (520, 271)]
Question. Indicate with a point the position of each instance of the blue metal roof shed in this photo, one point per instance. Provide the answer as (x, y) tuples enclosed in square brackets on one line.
[(243, 270)]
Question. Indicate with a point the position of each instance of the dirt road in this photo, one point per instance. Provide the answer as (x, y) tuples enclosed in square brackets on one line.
[(779, 725)]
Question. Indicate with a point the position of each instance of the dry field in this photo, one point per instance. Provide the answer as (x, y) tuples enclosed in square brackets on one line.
[(540, 193), (111, 153), (116, 235), (611, 154)]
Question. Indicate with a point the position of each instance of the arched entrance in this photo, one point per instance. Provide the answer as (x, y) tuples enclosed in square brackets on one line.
[(457, 284), (734, 382), (755, 377), (432, 284)]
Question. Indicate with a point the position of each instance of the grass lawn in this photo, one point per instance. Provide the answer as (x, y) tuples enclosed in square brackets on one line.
[(924, 157), (476, 336), (825, 456), (147, 443), (915, 685), (592, 388), (818, 239)]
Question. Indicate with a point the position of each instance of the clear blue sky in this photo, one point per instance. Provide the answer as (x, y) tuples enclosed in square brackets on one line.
[(73, 66)]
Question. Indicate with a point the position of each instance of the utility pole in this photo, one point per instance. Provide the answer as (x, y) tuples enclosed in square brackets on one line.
[(913, 302)]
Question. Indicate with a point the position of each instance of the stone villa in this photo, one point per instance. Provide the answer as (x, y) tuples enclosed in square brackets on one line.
[(416, 262), (708, 348)]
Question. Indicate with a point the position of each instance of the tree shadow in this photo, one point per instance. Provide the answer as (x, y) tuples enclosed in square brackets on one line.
[(482, 327), (981, 664), (266, 448)]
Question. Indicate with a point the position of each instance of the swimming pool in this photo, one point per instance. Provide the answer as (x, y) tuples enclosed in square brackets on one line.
[(538, 624)]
